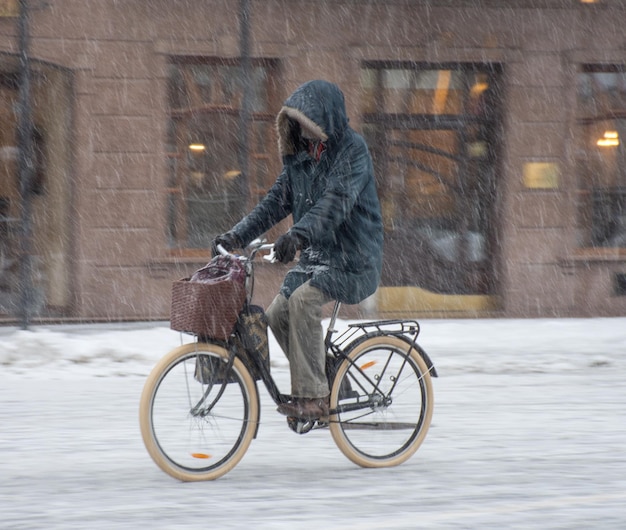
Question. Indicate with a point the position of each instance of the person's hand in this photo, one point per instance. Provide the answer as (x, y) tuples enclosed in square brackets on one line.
[(286, 247), (228, 240)]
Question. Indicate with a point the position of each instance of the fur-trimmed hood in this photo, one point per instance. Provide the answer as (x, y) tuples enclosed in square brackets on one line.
[(319, 107)]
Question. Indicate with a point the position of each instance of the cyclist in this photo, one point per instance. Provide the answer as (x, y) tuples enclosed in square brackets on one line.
[(327, 185)]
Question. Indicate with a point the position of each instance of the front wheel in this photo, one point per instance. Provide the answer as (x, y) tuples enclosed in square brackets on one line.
[(197, 420), (384, 401)]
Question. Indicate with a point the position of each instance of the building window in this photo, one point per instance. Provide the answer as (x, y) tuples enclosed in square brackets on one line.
[(207, 190), (433, 132), (601, 156), (50, 190)]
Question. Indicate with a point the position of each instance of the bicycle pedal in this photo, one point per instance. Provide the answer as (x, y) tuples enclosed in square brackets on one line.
[(300, 426)]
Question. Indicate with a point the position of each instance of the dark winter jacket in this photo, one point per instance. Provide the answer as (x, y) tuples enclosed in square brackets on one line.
[(328, 185)]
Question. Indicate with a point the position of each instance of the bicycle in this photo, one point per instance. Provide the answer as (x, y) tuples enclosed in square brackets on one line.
[(198, 427)]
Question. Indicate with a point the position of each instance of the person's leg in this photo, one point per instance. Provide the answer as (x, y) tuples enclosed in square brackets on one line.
[(307, 358)]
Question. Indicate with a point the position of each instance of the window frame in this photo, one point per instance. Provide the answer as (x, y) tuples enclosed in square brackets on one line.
[(260, 160), (478, 277), (593, 199)]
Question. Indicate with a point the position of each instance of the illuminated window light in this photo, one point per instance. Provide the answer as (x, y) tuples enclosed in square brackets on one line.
[(610, 139), (197, 147), (478, 88)]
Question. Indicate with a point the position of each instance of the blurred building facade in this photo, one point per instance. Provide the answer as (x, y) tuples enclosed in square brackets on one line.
[(497, 130)]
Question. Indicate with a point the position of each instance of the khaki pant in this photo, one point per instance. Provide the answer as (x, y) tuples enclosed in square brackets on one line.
[(297, 326)]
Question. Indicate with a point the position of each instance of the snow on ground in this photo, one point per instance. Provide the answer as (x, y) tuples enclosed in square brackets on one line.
[(529, 431), (456, 346)]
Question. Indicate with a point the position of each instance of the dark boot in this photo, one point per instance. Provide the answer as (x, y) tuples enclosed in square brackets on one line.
[(306, 408)]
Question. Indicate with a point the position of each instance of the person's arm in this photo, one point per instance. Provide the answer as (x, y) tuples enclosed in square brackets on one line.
[(271, 209)]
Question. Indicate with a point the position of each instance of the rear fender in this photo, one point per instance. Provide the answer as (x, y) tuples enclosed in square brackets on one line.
[(409, 341)]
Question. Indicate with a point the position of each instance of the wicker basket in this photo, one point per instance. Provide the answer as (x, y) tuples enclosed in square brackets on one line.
[(207, 308)]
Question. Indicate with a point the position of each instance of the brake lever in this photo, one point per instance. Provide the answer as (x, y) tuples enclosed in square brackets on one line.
[(271, 257)]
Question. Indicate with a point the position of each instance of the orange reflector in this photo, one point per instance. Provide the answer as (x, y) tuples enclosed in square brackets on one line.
[(368, 365), (200, 455)]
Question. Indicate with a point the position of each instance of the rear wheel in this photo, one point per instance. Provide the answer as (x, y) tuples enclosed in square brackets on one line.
[(197, 421), (384, 398)]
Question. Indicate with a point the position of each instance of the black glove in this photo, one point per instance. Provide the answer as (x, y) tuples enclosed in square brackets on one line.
[(229, 241), (286, 247)]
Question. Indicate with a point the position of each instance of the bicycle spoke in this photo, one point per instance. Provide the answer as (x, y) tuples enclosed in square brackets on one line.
[(384, 416), (198, 417)]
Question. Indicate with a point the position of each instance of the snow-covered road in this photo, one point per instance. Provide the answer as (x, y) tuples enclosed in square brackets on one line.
[(529, 431)]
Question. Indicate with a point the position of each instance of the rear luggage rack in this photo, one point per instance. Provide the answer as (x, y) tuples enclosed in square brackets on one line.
[(409, 328)]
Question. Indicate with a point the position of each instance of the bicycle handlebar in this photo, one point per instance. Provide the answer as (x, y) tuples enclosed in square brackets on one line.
[(256, 246), (223, 251)]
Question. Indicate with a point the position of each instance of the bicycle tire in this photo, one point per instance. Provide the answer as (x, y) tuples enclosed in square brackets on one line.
[(185, 440), (381, 435)]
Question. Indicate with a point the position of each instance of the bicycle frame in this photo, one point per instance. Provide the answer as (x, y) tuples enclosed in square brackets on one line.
[(406, 330)]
